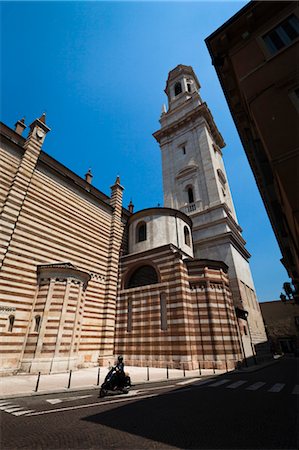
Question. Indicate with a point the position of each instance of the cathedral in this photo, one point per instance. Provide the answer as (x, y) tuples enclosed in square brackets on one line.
[(82, 278)]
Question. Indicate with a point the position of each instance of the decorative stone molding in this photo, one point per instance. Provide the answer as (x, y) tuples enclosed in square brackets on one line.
[(62, 271)]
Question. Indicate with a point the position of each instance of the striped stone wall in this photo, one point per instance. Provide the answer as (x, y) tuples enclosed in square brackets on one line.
[(200, 327), (49, 215)]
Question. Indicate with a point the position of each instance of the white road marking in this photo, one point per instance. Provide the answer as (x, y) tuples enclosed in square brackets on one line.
[(236, 384), (133, 392), (5, 405), (255, 386), (54, 401), (219, 383), (15, 408), (90, 405), (188, 381), (296, 389), (22, 413), (277, 387)]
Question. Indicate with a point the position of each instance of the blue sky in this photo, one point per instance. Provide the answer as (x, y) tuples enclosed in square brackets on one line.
[(98, 70)]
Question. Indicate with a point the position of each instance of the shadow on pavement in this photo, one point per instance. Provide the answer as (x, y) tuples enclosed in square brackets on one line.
[(203, 418)]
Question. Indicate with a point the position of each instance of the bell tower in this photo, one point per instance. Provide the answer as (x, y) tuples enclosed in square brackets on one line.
[(195, 182)]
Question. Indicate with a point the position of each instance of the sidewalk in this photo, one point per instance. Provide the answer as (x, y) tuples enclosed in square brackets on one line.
[(24, 385)]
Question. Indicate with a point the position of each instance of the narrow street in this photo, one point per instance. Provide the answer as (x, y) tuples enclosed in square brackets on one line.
[(235, 410)]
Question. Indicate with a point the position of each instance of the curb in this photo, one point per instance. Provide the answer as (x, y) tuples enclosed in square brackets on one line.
[(89, 388), (94, 387)]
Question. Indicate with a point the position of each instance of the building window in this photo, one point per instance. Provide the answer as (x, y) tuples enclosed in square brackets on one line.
[(11, 321), (129, 323), (142, 276), (187, 236), (189, 87), (163, 311), (282, 35), (177, 88), (37, 324), (184, 150), (190, 195), (141, 232)]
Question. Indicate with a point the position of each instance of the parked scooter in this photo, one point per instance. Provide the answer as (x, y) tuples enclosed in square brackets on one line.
[(115, 382)]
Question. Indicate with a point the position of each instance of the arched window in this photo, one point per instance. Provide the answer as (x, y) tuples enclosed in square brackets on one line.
[(11, 321), (141, 232), (187, 236), (142, 276), (37, 323), (163, 311), (177, 88), (129, 322), (190, 195)]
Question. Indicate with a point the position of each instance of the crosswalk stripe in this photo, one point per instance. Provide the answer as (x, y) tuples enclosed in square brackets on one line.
[(219, 383), (277, 387), (5, 406), (236, 384), (15, 408), (187, 381), (296, 389), (21, 413), (255, 386)]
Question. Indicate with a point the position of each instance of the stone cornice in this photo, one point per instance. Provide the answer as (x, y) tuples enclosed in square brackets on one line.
[(227, 211), (200, 111), (145, 255), (209, 263), (160, 211), (62, 270), (230, 237)]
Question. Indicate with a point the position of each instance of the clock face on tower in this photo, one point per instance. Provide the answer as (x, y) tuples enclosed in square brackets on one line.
[(40, 133)]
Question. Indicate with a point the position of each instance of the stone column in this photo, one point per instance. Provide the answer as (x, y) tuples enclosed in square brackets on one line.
[(116, 233), (44, 321)]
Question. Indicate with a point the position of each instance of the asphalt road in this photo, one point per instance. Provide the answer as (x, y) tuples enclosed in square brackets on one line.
[(257, 410)]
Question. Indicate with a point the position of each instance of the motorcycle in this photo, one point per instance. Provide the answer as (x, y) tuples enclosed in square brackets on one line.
[(118, 383)]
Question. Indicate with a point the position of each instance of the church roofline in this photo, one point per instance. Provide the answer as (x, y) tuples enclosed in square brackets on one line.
[(160, 211), (55, 166), (144, 255), (209, 263)]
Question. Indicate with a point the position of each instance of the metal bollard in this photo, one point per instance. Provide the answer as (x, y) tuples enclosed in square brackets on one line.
[(167, 372), (214, 370), (199, 369), (184, 371), (98, 379), (147, 370), (37, 382), (70, 377), (226, 365)]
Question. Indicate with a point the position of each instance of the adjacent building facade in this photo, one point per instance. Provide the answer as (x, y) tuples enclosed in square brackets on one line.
[(282, 326), (83, 278), (255, 55)]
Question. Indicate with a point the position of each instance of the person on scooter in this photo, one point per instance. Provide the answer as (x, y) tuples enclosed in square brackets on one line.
[(120, 370)]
